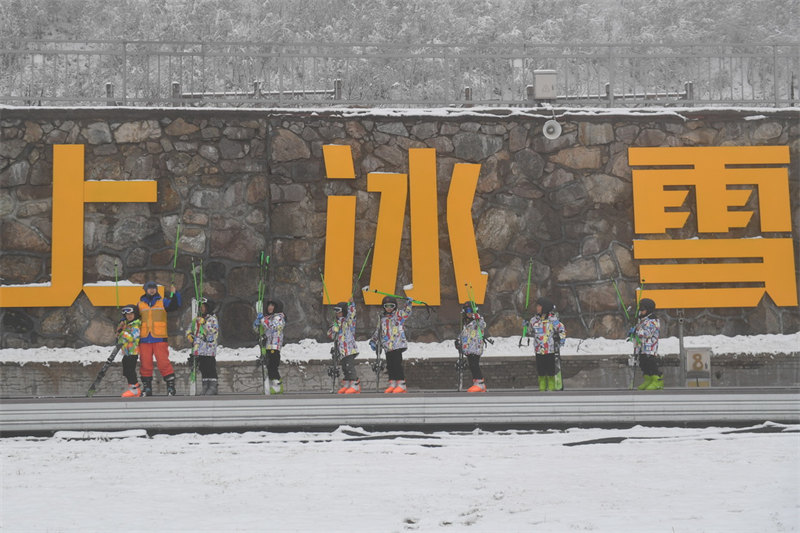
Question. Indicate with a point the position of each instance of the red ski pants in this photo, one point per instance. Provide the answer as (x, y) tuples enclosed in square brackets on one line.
[(161, 351)]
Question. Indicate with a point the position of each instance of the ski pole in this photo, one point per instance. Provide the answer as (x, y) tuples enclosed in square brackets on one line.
[(175, 254), (621, 303), (398, 296), (116, 283), (363, 266), (324, 287), (527, 301)]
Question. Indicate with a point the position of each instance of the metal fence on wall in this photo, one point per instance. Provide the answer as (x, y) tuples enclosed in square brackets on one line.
[(138, 73)]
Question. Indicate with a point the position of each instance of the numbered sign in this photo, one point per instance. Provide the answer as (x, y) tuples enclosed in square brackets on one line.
[(698, 367)]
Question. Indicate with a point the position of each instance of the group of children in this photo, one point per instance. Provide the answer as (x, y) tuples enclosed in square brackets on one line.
[(142, 335)]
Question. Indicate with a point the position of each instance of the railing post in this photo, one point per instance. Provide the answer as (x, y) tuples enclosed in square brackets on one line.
[(775, 72), (468, 96), (337, 89), (176, 94), (124, 72), (612, 74), (688, 91), (529, 95), (256, 89), (110, 94)]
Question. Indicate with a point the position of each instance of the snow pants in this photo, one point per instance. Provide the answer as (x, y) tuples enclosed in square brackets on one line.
[(349, 367), (649, 365), (208, 366), (474, 361), (129, 368), (394, 365), (273, 362), (546, 364), (161, 352)]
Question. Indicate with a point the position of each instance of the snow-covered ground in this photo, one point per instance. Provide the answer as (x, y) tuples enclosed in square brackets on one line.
[(642, 479), (309, 349)]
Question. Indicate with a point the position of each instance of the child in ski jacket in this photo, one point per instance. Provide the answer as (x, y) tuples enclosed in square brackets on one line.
[(343, 334), (269, 327), (645, 335), (548, 334), (391, 335), (128, 338), (470, 343), (203, 333)]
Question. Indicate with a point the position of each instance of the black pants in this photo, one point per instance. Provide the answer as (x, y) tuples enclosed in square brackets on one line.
[(273, 361), (394, 365), (546, 364), (349, 367), (129, 368), (649, 365), (208, 366), (475, 365)]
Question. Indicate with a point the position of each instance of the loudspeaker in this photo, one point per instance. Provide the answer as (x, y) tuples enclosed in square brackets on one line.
[(551, 129)]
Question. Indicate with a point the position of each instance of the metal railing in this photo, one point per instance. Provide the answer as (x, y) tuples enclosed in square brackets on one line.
[(36, 72)]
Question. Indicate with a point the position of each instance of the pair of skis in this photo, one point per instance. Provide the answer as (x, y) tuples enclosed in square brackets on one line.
[(198, 295), (114, 352), (263, 267), (631, 322)]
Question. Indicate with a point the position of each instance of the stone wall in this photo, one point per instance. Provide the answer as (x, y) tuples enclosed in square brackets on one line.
[(241, 181)]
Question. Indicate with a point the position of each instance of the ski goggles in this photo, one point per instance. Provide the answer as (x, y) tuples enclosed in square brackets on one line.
[(390, 306), (338, 309), (127, 309)]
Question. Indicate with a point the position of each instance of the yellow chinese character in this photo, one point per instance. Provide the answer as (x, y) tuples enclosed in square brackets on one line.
[(723, 180), (70, 193)]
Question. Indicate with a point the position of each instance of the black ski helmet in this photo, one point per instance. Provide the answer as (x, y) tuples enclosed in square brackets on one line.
[(389, 300), (646, 304), (209, 303), (547, 305), (277, 304), (341, 307), (150, 285), (133, 308)]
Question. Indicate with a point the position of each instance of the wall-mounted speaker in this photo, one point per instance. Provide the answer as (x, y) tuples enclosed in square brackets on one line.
[(551, 129)]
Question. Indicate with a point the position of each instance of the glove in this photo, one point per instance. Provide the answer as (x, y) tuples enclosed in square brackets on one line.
[(190, 361), (259, 316), (190, 337), (373, 345), (335, 328)]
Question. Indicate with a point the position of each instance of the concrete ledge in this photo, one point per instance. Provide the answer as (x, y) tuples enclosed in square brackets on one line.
[(427, 410)]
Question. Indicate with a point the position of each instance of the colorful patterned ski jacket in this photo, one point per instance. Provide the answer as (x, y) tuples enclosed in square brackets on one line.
[(273, 330), (391, 330), (203, 333), (546, 332), (646, 333), (471, 336), (129, 337), (343, 332)]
